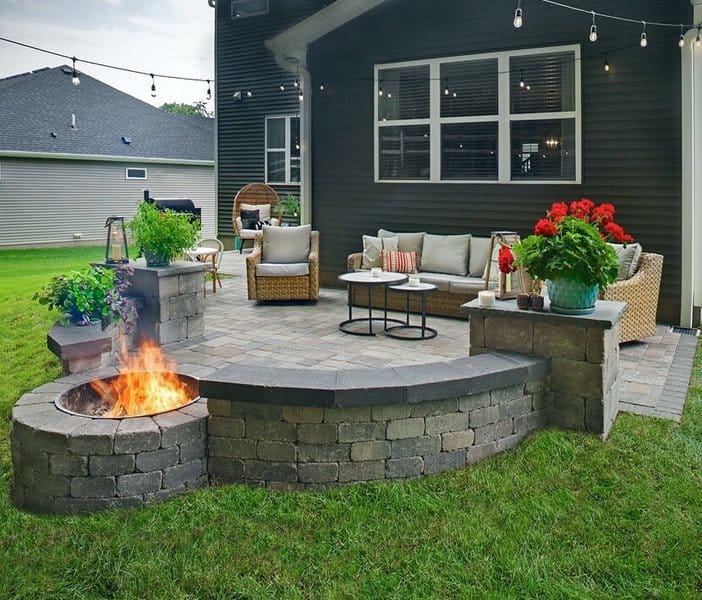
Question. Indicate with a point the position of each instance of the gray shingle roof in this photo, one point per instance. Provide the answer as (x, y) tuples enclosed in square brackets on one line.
[(34, 105)]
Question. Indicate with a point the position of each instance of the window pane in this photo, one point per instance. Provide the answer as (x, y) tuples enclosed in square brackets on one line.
[(294, 136), (549, 83), (405, 93), (472, 88), (276, 133), (404, 152), (276, 167), (295, 170), (469, 151), (543, 149)]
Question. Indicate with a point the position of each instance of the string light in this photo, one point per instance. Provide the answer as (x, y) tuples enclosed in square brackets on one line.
[(321, 87), (75, 80), (380, 89), (296, 83), (644, 41), (521, 79), (209, 90), (593, 29), (249, 93), (681, 42), (300, 95), (606, 63), (153, 86), (518, 21), (281, 85), (697, 39), (446, 89)]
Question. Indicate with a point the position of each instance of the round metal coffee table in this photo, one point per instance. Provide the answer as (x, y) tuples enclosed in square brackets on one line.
[(413, 332), (364, 278)]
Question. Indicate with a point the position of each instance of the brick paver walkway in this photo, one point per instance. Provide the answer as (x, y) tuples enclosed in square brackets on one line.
[(654, 373)]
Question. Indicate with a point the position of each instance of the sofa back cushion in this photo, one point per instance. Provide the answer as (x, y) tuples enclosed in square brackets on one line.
[(373, 248), (445, 254), (479, 254), (406, 242), (286, 244), (628, 257)]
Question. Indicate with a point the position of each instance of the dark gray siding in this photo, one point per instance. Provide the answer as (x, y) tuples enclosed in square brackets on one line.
[(243, 62), (631, 124)]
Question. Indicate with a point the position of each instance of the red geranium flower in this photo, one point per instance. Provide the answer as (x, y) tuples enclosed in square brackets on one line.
[(505, 260), (582, 208), (617, 233), (604, 213), (545, 227), (558, 211)]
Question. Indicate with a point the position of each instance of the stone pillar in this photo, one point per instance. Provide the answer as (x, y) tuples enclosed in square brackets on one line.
[(174, 301), (80, 348), (584, 354)]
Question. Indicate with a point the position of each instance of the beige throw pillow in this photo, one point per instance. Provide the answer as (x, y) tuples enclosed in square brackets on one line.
[(373, 250), (479, 254), (286, 245), (445, 254), (628, 257)]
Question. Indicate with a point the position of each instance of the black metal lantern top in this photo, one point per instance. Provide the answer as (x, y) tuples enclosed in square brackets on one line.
[(116, 248)]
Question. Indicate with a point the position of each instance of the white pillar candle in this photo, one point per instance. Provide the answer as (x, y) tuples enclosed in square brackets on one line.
[(486, 297), (413, 280), (375, 271)]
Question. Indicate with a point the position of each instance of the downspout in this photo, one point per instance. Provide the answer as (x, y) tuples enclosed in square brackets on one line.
[(212, 4)]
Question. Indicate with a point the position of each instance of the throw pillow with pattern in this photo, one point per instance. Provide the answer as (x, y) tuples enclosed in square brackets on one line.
[(399, 262)]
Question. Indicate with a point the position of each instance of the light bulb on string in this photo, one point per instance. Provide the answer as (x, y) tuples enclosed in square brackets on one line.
[(281, 86), (299, 96), (518, 21), (446, 89), (521, 79), (380, 89), (643, 42), (249, 93), (606, 63), (593, 29), (75, 80), (153, 86), (321, 87), (209, 90), (697, 39), (681, 41), (296, 83)]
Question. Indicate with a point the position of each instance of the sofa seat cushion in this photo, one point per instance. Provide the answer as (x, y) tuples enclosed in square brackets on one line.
[(282, 270), (446, 254), (466, 285), (442, 281)]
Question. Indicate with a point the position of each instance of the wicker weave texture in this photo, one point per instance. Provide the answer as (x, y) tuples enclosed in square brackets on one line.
[(640, 292), (302, 287), (253, 193)]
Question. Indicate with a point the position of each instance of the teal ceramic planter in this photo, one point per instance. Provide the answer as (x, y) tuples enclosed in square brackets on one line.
[(572, 297), (155, 260)]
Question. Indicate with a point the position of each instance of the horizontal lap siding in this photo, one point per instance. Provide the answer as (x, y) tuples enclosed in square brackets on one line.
[(631, 123), (46, 201)]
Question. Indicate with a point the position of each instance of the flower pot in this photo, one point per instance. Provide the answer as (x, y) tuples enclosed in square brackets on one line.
[(572, 297), (537, 302), (154, 259), (523, 301)]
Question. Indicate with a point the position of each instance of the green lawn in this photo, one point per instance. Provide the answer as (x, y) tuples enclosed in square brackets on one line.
[(562, 516)]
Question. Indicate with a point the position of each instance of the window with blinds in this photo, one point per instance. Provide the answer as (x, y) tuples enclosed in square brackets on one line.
[(505, 117), (283, 149)]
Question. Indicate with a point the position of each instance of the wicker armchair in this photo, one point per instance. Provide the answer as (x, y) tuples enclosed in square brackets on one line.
[(254, 194), (640, 292), (283, 281)]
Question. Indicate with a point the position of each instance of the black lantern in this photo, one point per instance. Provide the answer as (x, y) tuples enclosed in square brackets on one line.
[(116, 249)]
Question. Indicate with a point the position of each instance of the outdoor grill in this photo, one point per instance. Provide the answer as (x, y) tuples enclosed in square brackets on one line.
[(179, 205)]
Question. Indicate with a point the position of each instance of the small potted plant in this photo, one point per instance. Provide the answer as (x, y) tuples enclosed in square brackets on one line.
[(569, 249), (290, 208), (162, 235), (86, 297)]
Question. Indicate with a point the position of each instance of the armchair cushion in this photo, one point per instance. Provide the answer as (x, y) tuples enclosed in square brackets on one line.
[(445, 254), (373, 248), (286, 245), (628, 257), (282, 270)]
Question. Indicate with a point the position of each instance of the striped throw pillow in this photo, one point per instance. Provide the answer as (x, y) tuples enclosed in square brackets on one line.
[(399, 262)]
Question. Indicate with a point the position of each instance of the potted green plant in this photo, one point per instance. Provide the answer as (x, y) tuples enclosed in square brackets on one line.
[(86, 297), (569, 249), (162, 235), (289, 207)]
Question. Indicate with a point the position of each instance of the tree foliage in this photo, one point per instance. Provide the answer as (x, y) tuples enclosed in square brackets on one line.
[(197, 109)]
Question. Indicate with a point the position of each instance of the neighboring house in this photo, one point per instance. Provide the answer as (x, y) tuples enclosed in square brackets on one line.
[(70, 156), (455, 143)]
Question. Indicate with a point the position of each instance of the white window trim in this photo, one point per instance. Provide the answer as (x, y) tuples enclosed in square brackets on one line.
[(127, 169), (503, 118), (288, 156)]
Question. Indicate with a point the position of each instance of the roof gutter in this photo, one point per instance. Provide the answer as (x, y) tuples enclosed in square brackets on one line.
[(105, 158)]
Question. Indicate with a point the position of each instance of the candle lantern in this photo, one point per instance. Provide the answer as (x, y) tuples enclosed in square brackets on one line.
[(116, 249)]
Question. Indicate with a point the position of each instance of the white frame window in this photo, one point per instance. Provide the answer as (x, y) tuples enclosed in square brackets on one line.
[(289, 155), (504, 118), (133, 175)]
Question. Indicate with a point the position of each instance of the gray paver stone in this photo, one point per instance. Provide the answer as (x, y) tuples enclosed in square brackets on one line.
[(479, 452), (324, 452), (317, 433), (68, 464), (347, 415), (96, 437), (263, 470), (225, 427), (111, 465), (370, 450), (358, 432), (486, 433), (444, 461), (93, 487), (361, 471), (193, 450), (411, 466), (474, 401), (417, 446), (54, 485), (232, 447), (226, 469), (175, 476), (509, 442), (484, 416), (139, 483), (515, 408), (434, 407), (454, 440), (390, 412), (457, 421), (318, 472), (157, 460), (177, 428), (303, 414), (276, 451), (405, 428), (271, 430), (137, 435)]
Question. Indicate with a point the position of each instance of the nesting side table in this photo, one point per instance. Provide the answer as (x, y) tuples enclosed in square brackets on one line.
[(406, 331)]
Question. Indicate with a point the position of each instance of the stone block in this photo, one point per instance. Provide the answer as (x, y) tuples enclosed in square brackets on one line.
[(486, 433), (276, 451), (567, 411), (405, 428), (370, 450), (254, 410), (558, 339), (53, 436), (137, 435), (277, 431), (81, 364), (484, 416), (515, 408), (227, 469), (177, 428), (324, 452), (577, 378), (37, 502), (347, 415), (318, 472), (54, 485), (595, 416), (458, 421), (84, 506), (192, 451), (535, 387), (506, 394), (196, 484), (595, 345), (191, 283), (119, 464), (157, 460), (317, 433), (219, 408), (504, 333), (474, 401), (68, 464), (390, 412), (261, 470), (232, 447), (182, 305), (196, 326), (455, 440), (509, 442), (531, 421), (172, 331), (179, 474), (444, 461), (93, 487), (359, 432), (477, 332), (434, 407), (166, 494), (539, 401), (479, 452), (412, 466), (362, 471), (504, 428), (417, 446), (95, 437), (225, 427), (303, 414), (135, 484)]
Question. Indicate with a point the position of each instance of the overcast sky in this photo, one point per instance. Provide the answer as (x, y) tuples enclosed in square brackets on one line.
[(173, 37)]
